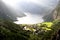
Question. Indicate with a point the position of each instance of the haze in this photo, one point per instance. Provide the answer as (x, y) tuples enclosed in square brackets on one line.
[(34, 10)]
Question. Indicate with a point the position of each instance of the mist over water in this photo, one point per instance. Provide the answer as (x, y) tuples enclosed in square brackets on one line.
[(34, 10)]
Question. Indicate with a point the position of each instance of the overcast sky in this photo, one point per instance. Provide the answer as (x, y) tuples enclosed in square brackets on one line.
[(38, 7), (33, 9)]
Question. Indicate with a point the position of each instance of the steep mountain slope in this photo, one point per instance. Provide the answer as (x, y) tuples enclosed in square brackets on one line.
[(55, 14), (11, 31)]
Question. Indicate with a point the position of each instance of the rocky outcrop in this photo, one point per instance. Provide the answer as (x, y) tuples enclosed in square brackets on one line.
[(56, 12)]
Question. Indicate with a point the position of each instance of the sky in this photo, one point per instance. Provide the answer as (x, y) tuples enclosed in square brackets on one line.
[(33, 9)]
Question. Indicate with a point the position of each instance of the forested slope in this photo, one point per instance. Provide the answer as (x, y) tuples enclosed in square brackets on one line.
[(44, 31)]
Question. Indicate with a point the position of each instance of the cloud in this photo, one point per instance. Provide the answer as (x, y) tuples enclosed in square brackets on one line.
[(33, 9), (29, 19)]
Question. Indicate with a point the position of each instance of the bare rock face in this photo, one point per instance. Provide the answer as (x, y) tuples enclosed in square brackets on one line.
[(56, 12)]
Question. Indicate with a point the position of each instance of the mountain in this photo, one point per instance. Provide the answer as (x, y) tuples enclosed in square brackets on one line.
[(55, 14), (11, 31), (48, 18)]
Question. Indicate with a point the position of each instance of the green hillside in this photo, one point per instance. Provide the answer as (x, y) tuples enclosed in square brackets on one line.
[(44, 31)]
